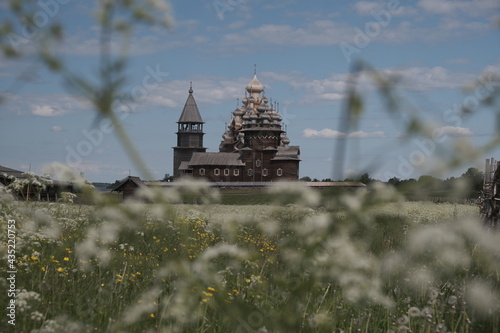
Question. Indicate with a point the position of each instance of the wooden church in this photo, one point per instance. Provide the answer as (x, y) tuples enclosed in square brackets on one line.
[(255, 147)]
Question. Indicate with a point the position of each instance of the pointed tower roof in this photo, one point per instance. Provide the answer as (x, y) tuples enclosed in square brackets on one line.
[(190, 113)]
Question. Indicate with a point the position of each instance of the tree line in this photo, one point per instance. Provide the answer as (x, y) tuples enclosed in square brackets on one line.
[(468, 186)]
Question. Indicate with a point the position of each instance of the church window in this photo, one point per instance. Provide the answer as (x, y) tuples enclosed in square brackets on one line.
[(279, 172), (226, 172), (217, 171), (264, 172), (202, 172), (236, 172), (257, 164), (250, 172)]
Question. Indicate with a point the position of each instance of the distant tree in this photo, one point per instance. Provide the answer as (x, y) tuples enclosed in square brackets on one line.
[(407, 186), (474, 179), (305, 179), (394, 181), (430, 184), (327, 180), (167, 178), (365, 179)]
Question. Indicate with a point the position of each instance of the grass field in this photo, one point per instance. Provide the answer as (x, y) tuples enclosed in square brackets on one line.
[(362, 263)]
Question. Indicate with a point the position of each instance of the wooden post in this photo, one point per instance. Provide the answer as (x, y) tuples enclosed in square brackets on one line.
[(487, 167)]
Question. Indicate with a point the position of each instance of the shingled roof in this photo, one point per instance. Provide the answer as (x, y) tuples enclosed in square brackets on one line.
[(135, 180), (12, 172), (287, 153), (218, 159), (190, 113)]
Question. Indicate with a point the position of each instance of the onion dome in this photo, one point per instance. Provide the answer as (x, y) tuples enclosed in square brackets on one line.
[(264, 99), (284, 139), (261, 108), (254, 86), (275, 115), (238, 112)]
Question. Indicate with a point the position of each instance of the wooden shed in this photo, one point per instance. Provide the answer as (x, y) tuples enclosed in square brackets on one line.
[(128, 186)]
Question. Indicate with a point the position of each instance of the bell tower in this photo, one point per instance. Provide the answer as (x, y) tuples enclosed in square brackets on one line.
[(189, 136)]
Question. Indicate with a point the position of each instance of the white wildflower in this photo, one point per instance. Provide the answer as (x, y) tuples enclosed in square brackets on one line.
[(36, 316), (352, 202), (414, 312), (481, 297), (441, 328), (294, 192), (64, 172), (433, 293), (108, 232), (147, 305), (403, 320), (25, 299), (67, 197), (427, 312), (440, 242)]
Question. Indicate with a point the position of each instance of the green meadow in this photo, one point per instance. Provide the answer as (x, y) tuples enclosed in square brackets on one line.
[(360, 262)]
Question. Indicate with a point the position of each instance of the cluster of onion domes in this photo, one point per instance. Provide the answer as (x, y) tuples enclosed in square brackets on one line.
[(255, 113)]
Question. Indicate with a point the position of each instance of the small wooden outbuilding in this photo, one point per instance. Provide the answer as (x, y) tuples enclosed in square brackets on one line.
[(128, 186)]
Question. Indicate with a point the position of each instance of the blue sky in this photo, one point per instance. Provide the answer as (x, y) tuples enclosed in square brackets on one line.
[(303, 52)]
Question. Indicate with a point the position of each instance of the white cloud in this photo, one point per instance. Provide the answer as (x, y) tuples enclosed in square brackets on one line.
[(161, 101), (47, 111), (57, 129), (366, 135), (329, 89), (447, 7), (43, 105), (365, 7), (454, 131), (335, 86), (331, 96), (428, 78), (327, 133), (316, 33)]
